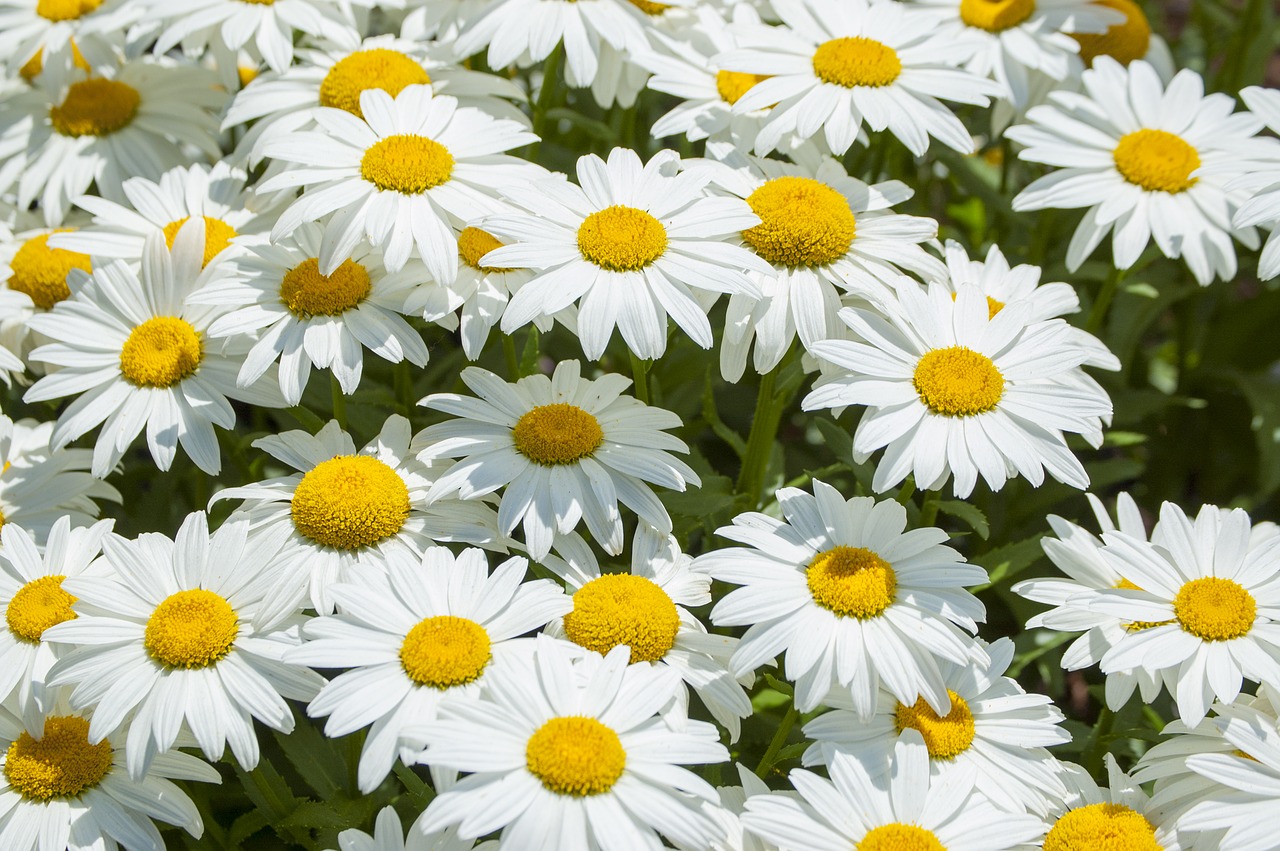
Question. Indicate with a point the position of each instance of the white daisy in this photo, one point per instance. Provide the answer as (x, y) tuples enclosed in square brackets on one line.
[(388, 835), (35, 34), (630, 245), (40, 485), (1148, 161), (564, 449), (1261, 182), (575, 751), (852, 599), (1120, 816), (429, 632), (35, 277), (733, 801)]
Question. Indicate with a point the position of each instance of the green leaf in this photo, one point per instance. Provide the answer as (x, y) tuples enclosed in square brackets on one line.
[(839, 441), (315, 757), (1004, 563), (328, 815), (1262, 392), (970, 514), (245, 826)]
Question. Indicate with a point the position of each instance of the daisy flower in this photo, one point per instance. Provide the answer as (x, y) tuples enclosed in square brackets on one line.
[(1262, 183), (301, 318), (133, 352), (429, 632), (388, 835), (346, 511), (900, 809), (631, 245), (1127, 40), (35, 34), (1148, 161), (171, 640), (35, 276), (563, 448), (399, 177), (574, 750), (40, 485), (833, 65), (852, 599), (1120, 816)]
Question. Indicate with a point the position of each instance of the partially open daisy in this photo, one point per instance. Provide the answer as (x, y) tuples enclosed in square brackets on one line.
[(631, 245), (40, 485), (574, 749), (400, 176), (1261, 182), (1119, 816), (563, 448), (951, 390), (833, 65), (428, 632), (851, 598), (388, 835)]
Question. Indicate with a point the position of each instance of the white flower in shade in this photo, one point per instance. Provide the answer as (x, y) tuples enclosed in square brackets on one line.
[(1204, 594), (647, 610), (427, 632), (992, 727), (952, 391), (833, 66), (39, 485), (563, 449), (133, 352), (630, 245), (574, 750), (852, 599), (62, 788), (62, 34), (1148, 161), (301, 318), (1120, 816), (887, 810), (35, 276), (1261, 182), (172, 640), (388, 835), (400, 176)]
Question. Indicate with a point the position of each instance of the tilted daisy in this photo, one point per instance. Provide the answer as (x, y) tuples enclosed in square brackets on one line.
[(631, 245), (388, 835), (951, 390), (300, 318), (40, 485), (1119, 816), (61, 34), (563, 449), (347, 511), (1128, 40), (1262, 183), (170, 642), (35, 276), (400, 176), (575, 750), (851, 598), (1148, 161), (134, 354), (834, 65)]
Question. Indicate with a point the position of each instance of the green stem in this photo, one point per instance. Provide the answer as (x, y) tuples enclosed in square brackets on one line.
[(640, 372), (513, 362), (404, 387), (1095, 754), (929, 508), (779, 739), (1099, 310), (546, 92), (764, 429), (339, 401)]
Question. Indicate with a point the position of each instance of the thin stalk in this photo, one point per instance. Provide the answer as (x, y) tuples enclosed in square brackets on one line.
[(640, 373), (339, 401), (546, 94), (929, 508), (764, 429), (1099, 310), (513, 361), (779, 739)]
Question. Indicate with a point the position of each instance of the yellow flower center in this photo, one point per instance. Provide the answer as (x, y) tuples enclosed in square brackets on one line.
[(619, 608), (307, 293), (804, 222), (1137, 626), (38, 605), (946, 737), (406, 163), (379, 68), (473, 244), (732, 85), (217, 236), (445, 651), (559, 433), (575, 755), (41, 272), (1102, 827), (856, 61), (649, 8), (994, 306), (161, 352), (1214, 609), (247, 74), (995, 15), (1123, 42), (853, 582), (349, 502), (958, 382), (621, 239), (191, 629), (95, 107), (259, 2), (60, 764), (899, 837), (1157, 161), (65, 10)]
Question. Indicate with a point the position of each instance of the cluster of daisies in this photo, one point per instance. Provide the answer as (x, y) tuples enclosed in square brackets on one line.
[(202, 202)]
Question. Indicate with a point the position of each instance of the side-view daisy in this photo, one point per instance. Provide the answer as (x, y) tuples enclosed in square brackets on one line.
[(1120, 816), (1262, 183)]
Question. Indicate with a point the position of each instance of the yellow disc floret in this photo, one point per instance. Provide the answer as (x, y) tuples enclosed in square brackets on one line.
[(378, 68), (1156, 160), (575, 755), (946, 737), (307, 293), (65, 10), (38, 605), (958, 382), (995, 15), (1123, 42), (191, 629), (217, 236), (1102, 827), (621, 239), (804, 222), (854, 61), (1214, 609), (41, 272), (349, 502), (445, 651), (60, 764), (406, 163), (161, 352), (649, 7), (897, 836), (558, 433), (619, 608), (732, 85), (474, 244), (95, 107), (853, 582)]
